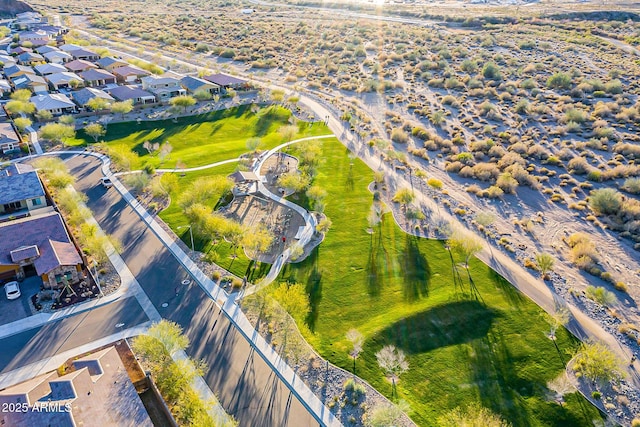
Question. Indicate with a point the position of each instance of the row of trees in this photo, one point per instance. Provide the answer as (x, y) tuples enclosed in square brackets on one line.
[(174, 378)]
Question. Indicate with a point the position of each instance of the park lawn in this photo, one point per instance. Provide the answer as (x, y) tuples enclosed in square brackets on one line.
[(398, 289), (202, 139), (222, 252)]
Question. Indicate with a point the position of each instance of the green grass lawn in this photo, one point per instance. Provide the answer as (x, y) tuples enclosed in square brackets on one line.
[(397, 289), (202, 139)]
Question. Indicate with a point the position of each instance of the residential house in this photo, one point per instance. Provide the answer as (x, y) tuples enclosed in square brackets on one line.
[(63, 80), (109, 63), (46, 69), (19, 50), (129, 73), (79, 65), (83, 96), (53, 31), (98, 77), (7, 61), (226, 81), (84, 54), (9, 139), (195, 85), (27, 19), (46, 49), (57, 57), (39, 245), (33, 36), (163, 87), (35, 84), (55, 103), (30, 58), (5, 88), (17, 70), (21, 192), (68, 47), (97, 392), (138, 96)]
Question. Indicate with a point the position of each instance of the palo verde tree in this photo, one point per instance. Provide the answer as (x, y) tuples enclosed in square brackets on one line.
[(597, 362), (122, 108), (183, 102), (465, 245), (393, 362), (57, 132), (95, 131), (357, 340)]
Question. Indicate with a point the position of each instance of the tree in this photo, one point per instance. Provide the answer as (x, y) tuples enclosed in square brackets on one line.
[(473, 416), (44, 115), (293, 181), (357, 340), (66, 120), (202, 95), (559, 317), (22, 123), (95, 131), (404, 196), (123, 107), (465, 245), (294, 299), (97, 104), (324, 225), (57, 132), (316, 194), (23, 95), (257, 240), (595, 361), (183, 102), (545, 263), (20, 107), (253, 144), (288, 132), (393, 362)]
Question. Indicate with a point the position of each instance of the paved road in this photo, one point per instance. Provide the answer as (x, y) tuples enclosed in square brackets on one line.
[(56, 337), (245, 385)]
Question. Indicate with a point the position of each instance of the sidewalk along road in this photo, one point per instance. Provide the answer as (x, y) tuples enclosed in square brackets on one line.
[(246, 386)]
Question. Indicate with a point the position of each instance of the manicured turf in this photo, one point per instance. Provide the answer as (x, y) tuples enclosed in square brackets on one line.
[(397, 289), (203, 139)]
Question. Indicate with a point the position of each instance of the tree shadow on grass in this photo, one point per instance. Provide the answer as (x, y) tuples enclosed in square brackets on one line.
[(314, 290), (267, 119), (417, 272), (512, 295), (376, 263), (448, 324)]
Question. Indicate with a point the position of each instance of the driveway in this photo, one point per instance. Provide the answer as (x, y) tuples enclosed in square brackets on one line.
[(17, 309)]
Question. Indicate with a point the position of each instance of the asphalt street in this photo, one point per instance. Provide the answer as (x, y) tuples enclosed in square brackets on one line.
[(245, 385), (62, 335)]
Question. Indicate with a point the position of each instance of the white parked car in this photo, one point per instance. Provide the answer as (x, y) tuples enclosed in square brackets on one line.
[(12, 290), (106, 182)]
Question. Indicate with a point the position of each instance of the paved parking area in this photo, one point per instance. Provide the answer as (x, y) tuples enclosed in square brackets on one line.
[(10, 311)]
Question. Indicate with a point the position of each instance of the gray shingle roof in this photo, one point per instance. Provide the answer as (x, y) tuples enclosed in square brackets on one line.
[(194, 83), (83, 96), (18, 185), (224, 79)]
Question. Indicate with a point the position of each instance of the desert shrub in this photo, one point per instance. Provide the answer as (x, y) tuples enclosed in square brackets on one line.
[(578, 166), (620, 286), (605, 201), (600, 295), (631, 185), (486, 171), (494, 192), (574, 115), (215, 276), (507, 183), (596, 395), (635, 422), (399, 136), (491, 71), (559, 81), (613, 87)]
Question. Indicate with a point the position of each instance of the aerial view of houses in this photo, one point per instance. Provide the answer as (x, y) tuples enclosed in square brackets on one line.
[(346, 213)]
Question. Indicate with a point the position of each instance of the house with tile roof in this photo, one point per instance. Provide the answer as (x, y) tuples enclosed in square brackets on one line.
[(194, 85), (129, 73), (163, 87), (55, 103), (97, 392), (63, 80), (39, 245), (84, 54), (17, 70), (58, 57), (35, 84), (79, 65), (21, 191), (46, 49), (9, 139), (30, 58), (97, 77), (138, 96), (83, 96), (226, 81), (109, 63)]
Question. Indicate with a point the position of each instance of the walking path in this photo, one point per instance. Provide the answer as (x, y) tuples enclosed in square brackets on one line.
[(33, 136), (233, 312)]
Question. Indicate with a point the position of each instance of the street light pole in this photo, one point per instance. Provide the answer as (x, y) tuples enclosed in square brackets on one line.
[(190, 235)]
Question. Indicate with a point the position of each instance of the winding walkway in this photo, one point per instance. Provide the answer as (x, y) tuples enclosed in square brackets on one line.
[(228, 305)]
